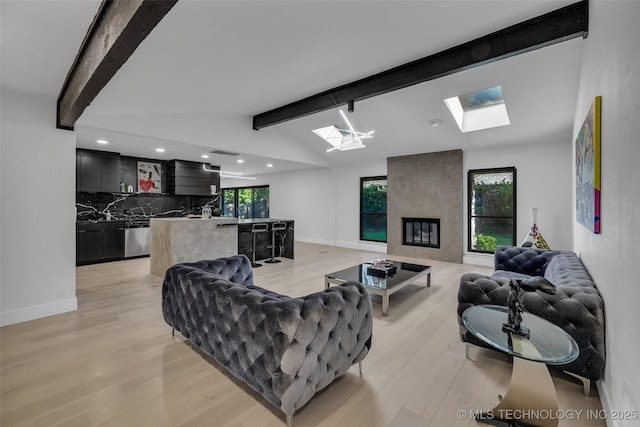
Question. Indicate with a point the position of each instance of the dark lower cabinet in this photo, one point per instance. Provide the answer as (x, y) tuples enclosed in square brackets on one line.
[(98, 242), (88, 246), (113, 244)]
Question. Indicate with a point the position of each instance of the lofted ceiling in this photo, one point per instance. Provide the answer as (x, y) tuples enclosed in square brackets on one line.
[(195, 83)]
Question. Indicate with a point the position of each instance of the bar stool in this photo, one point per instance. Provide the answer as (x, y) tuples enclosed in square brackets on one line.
[(255, 229), (276, 227)]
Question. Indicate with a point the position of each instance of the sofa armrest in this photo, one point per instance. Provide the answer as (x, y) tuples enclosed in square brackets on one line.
[(478, 289), (236, 269), (333, 331)]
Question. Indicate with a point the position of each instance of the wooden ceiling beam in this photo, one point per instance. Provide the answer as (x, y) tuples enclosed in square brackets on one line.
[(554, 27), (116, 31)]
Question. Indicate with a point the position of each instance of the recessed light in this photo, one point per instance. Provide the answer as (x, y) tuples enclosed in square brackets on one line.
[(240, 161), (435, 122), (160, 150), (205, 156), (269, 165), (102, 141)]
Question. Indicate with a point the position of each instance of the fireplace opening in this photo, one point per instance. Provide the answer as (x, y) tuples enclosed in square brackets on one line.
[(421, 232)]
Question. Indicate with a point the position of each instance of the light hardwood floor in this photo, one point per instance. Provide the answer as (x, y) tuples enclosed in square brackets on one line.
[(113, 362)]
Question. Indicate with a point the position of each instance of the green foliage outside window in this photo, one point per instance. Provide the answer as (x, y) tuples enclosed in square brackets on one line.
[(252, 202), (491, 208), (486, 243), (373, 208)]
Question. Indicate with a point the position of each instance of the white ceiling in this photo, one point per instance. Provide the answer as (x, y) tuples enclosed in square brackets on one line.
[(209, 66)]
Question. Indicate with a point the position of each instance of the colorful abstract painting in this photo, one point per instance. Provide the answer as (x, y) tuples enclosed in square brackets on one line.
[(588, 170)]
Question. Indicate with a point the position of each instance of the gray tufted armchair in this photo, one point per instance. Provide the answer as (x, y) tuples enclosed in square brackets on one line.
[(287, 349)]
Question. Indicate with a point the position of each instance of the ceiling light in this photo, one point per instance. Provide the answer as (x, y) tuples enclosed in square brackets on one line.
[(269, 165), (344, 136), (205, 156), (160, 150), (224, 175), (229, 174), (482, 109), (102, 141), (240, 161), (435, 122)]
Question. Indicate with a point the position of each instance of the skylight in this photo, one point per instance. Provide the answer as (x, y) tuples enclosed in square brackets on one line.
[(340, 139), (482, 109)]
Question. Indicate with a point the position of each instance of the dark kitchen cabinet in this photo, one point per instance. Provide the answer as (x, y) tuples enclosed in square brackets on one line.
[(113, 244), (97, 171), (88, 246), (190, 179), (99, 241)]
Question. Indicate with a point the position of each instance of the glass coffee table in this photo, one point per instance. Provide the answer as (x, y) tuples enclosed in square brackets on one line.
[(405, 274), (531, 397)]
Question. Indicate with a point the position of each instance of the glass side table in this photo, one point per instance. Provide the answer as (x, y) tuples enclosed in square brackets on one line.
[(531, 397)]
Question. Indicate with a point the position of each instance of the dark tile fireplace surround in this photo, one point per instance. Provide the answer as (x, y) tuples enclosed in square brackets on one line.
[(424, 205)]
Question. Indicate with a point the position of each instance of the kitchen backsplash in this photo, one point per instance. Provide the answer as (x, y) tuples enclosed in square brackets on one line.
[(94, 206)]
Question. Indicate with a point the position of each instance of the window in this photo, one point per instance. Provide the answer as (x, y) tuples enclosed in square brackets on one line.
[(491, 209), (229, 202), (246, 202), (373, 209)]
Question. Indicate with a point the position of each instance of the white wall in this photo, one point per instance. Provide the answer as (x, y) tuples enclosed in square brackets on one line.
[(611, 69), (305, 196), (347, 205), (543, 181), (324, 203), (330, 213), (37, 214)]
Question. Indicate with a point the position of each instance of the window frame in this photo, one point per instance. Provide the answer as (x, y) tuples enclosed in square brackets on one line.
[(362, 213), (514, 211), (236, 191)]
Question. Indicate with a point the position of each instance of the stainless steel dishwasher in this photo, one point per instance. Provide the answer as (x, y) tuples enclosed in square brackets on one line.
[(136, 238)]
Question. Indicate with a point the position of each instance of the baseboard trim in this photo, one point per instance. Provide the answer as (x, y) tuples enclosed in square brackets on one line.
[(606, 404), (364, 246), (485, 260), (316, 241), (20, 315)]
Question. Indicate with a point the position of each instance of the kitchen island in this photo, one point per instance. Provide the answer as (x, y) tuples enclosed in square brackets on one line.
[(178, 240)]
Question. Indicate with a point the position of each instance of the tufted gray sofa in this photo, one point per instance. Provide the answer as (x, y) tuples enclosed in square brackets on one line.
[(577, 306), (286, 349)]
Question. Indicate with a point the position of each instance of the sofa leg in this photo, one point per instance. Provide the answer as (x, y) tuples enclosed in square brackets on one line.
[(467, 347), (360, 368), (586, 382), (173, 332), (289, 420)]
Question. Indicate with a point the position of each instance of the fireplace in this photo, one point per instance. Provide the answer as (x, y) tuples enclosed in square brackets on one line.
[(423, 232)]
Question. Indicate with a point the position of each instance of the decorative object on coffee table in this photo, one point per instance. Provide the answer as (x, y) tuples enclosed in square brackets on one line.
[(534, 238), (514, 301), (382, 268)]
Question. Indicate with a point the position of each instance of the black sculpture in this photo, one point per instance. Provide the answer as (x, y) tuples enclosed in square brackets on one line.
[(514, 301)]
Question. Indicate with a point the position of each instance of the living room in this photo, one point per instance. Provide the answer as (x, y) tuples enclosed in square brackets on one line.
[(37, 159)]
